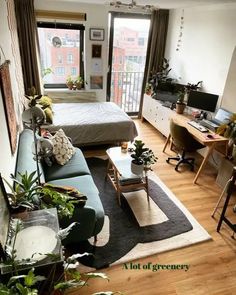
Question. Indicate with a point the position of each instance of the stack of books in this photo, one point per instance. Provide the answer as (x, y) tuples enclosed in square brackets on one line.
[(131, 179)]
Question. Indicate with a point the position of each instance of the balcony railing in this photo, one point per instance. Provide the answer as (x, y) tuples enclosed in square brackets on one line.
[(126, 90)]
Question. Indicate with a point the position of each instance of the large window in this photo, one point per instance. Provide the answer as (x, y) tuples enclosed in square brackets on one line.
[(60, 44)]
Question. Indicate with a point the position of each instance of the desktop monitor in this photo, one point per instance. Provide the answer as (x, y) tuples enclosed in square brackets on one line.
[(202, 101)]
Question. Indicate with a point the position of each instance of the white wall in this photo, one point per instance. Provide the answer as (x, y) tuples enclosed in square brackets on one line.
[(10, 47), (97, 17), (207, 45)]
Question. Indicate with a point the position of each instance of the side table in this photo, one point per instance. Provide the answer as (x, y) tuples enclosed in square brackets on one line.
[(120, 174)]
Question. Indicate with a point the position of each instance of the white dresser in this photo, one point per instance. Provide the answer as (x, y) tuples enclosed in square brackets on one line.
[(157, 114)]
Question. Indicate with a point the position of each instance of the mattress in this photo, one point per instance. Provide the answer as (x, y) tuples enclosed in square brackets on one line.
[(93, 123)]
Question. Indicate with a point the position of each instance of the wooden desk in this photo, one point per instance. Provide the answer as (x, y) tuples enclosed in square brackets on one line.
[(210, 144)]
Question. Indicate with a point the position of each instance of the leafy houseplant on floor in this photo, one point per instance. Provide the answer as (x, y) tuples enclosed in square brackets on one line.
[(30, 284), (142, 157)]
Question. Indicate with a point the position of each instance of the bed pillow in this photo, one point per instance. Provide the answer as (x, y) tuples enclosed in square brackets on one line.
[(63, 150), (46, 103), (49, 115)]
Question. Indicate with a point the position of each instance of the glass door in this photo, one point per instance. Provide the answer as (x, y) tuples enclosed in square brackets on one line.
[(127, 57)]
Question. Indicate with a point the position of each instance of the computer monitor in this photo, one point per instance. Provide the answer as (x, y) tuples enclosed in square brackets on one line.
[(202, 101)]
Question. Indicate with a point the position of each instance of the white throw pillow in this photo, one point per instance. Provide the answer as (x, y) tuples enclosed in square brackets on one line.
[(63, 150)]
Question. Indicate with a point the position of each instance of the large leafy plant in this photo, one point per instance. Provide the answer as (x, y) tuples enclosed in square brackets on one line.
[(29, 283), (25, 191), (142, 155)]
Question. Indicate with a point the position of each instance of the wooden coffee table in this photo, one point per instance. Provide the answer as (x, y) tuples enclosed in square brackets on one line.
[(120, 174)]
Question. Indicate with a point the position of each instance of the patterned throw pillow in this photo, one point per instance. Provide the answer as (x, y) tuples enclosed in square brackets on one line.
[(63, 150)]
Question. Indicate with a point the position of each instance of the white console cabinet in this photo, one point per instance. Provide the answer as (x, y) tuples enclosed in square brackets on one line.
[(156, 114)]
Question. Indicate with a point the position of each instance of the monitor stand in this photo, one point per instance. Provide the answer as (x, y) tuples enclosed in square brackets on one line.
[(203, 115)]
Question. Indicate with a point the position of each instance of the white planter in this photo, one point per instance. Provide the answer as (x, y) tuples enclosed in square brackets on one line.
[(137, 169)]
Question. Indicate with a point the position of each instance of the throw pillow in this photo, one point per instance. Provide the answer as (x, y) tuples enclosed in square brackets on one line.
[(46, 103), (49, 115), (63, 150)]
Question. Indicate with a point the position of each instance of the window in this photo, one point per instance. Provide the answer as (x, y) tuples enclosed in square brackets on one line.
[(70, 58), (60, 71), (60, 47), (141, 41), (59, 59), (73, 71)]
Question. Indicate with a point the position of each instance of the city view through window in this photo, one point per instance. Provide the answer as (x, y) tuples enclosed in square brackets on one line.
[(59, 60), (128, 62)]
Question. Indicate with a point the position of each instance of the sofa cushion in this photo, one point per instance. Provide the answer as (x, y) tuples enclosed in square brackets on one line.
[(86, 185), (25, 158), (75, 167), (63, 150)]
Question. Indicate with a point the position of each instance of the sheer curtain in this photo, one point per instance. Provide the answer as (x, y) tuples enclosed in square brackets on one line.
[(156, 45), (28, 42)]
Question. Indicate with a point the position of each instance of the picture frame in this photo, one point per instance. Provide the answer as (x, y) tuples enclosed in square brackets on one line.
[(96, 34), (96, 82), (96, 50), (8, 103)]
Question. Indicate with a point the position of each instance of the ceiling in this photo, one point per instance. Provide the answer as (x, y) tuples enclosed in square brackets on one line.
[(168, 4)]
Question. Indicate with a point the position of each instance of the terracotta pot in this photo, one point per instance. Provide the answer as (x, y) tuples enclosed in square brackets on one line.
[(79, 85), (180, 108), (70, 85)]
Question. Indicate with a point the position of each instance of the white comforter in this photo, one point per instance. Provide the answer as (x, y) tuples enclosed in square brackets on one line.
[(91, 123)]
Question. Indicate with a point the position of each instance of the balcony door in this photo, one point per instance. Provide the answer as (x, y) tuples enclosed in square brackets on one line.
[(127, 57)]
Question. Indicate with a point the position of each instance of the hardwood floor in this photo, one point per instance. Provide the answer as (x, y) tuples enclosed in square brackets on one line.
[(212, 268)]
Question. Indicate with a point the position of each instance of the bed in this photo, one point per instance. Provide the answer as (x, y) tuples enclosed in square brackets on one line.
[(93, 123)]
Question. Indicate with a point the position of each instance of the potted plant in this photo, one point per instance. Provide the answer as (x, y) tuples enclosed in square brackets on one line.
[(228, 130), (142, 157), (148, 89), (70, 82), (148, 159), (28, 283), (180, 105), (79, 83), (161, 80)]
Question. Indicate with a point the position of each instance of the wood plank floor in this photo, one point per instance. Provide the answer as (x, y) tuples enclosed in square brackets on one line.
[(212, 264)]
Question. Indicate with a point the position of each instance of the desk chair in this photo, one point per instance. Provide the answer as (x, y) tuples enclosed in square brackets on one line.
[(185, 142)]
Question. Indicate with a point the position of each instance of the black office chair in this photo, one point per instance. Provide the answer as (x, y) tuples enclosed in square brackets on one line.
[(184, 142)]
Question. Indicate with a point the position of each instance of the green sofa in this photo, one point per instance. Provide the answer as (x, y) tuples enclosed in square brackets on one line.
[(74, 173)]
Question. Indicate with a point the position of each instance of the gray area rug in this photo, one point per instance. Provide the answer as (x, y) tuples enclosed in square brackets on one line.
[(124, 230)]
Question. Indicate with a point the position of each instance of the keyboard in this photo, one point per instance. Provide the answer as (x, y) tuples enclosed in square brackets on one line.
[(198, 126), (209, 124)]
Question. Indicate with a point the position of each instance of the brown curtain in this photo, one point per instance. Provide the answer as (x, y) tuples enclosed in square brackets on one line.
[(28, 42), (156, 45)]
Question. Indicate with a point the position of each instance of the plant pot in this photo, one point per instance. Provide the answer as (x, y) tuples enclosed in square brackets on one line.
[(137, 169), (79, 85), (180, 108), (70, 85)]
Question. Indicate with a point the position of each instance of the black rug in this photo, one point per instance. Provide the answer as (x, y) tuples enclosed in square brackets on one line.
[(125, 232)]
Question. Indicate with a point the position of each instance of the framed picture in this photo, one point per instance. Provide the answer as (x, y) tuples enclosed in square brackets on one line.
[(96, 34), (96, 51), (8, 103), (96, 82)]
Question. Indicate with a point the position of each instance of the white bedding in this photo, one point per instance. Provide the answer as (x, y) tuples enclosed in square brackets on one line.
[(91, 123)]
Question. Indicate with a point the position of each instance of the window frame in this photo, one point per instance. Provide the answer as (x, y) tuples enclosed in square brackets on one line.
[(68, 26)]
